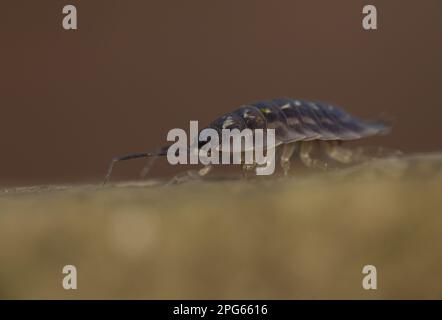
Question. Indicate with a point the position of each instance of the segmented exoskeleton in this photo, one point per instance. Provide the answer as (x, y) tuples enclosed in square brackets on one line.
[(296, 122)]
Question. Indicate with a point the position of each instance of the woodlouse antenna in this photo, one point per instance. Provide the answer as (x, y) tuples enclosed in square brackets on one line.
[(151, 155)]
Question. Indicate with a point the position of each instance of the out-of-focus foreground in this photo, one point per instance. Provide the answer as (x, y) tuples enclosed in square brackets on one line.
[(308, 236)]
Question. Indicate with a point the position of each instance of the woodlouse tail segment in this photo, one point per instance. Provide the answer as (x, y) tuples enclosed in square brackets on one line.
[(382, 127), (151, 155), (383, 123)]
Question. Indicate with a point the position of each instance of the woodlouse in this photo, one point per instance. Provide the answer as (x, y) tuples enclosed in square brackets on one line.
[(296, 122)]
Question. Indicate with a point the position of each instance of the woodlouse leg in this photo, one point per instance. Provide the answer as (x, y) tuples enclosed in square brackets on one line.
[(287, 153), (340, 154), (306, 158), (190, 175), (373, 152), (246, 169), (148, 166), (123, 158), (360, 154)]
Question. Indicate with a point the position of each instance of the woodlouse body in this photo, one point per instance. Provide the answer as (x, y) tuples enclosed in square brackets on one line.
[(297, 123), (299, 120)]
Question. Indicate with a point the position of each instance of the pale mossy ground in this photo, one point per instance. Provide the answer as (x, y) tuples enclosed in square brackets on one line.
[(307, 236)]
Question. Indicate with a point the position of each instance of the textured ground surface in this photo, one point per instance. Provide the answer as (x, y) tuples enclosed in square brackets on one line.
[(304, 237)]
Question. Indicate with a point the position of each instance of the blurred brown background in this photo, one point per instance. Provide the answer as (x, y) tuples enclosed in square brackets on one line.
[(71, 100)]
